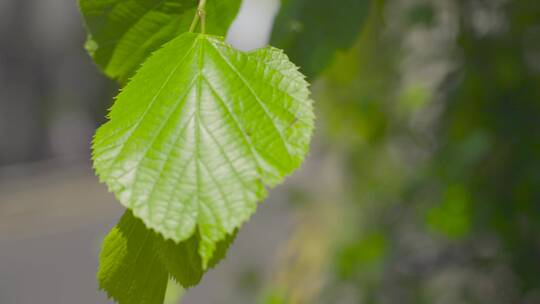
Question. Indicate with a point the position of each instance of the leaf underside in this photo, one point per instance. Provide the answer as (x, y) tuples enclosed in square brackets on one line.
[(199, 132), (123, 33), (130, 270), (135, 262)]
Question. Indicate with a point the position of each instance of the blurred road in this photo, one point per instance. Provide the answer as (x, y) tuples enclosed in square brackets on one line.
[(52, 223)]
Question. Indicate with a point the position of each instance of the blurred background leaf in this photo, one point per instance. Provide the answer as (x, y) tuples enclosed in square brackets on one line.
[(311, 31), (122, 34)]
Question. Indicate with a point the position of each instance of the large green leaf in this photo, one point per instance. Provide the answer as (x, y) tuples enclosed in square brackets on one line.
[(123, 33), (197, 134), (135, 262), (311, 31)]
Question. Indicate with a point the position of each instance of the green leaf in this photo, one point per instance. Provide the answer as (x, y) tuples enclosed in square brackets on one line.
[(135, 262), (123, 33), (130, 269), (197, 134), (311, 31)]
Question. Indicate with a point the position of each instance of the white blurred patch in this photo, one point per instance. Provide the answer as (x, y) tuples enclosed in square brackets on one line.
[(253, 26)]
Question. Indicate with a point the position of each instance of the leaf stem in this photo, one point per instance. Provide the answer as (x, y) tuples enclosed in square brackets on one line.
[(199, 15)]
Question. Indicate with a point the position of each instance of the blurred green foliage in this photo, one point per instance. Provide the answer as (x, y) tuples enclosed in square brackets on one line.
[(434, 115)]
